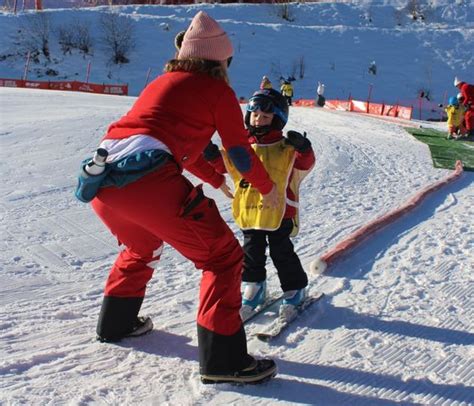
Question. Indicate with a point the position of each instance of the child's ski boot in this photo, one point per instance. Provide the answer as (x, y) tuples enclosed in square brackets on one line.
[(253, 296), (291, 300)]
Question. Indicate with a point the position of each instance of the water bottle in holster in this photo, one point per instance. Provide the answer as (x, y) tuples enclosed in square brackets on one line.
[(97, 165), (91, 176)]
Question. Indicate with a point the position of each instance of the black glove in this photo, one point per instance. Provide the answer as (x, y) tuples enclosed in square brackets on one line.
[(300, 142), (211, 152)]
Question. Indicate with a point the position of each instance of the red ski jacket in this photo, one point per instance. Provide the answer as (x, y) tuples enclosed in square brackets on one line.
[(467, 91), (183, 110)]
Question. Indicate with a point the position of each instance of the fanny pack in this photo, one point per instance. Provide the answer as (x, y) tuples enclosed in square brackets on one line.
[(119, 173)]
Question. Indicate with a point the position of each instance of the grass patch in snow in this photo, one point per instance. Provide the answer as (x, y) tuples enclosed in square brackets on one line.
[(445, 153)]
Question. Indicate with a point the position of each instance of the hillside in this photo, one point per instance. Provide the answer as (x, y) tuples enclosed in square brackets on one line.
[(332, 42)]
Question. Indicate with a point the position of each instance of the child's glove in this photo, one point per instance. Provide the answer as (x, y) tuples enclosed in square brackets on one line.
[(297, 140), (211, 152)]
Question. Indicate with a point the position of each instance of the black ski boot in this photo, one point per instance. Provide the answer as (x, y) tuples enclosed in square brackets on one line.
[(141, 326), (119, 318), (258, 372)]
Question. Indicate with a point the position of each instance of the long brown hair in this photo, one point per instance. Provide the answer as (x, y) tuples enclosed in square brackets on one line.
[(212, 68)]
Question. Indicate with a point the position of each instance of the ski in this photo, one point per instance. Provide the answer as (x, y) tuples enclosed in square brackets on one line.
[(284, 320), (248, 314)]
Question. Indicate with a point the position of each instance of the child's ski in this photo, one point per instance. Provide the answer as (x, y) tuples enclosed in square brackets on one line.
[(277, 326), (248, 314)]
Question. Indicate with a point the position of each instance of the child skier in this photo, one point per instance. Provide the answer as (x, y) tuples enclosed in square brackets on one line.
[(287, 91), (265, 83), (455, 112), (287, 160)]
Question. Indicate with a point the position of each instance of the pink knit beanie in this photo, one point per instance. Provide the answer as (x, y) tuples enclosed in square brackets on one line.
[(205, 39)]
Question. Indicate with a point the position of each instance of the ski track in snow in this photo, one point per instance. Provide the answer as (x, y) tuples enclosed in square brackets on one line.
[(396, 325)]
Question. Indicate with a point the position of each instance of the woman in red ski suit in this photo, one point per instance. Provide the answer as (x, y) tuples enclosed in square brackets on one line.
[(176, 115), (467, 92)]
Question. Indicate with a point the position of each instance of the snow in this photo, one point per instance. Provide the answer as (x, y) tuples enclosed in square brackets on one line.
[(396, 325)]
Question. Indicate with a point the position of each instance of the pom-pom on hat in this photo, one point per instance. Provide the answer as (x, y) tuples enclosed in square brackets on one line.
[(205, 39), (456, 81)]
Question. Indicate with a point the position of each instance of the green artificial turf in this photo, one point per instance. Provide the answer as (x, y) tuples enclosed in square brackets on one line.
[(445, 152)]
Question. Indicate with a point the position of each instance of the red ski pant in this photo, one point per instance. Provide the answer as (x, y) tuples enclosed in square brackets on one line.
[(469, 119), (165, 207)]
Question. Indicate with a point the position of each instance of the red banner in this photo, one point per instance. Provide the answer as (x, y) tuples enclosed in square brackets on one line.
[(375, 108), (61, 85), (344, 105), (389, 110), (405, 112), (304, 103), (358, 106), (121, 90)]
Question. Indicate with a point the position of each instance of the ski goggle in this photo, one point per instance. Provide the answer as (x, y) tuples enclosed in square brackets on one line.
[(265, 105), (229, 61)]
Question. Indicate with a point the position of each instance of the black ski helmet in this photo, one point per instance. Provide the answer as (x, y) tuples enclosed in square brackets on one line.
[(269, 100)]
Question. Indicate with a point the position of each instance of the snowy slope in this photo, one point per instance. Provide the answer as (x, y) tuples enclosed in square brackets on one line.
[(335, 41), (396, 325)]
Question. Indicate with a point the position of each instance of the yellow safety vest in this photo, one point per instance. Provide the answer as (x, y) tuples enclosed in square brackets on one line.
[(287, 90), (247, 208), (455, 115)]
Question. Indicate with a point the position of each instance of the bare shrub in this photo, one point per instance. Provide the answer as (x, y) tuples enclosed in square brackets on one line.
[(83, 39), (66, 39), (301, 67), (117, 36), (294, 69), (33, 35), (275, 69), (284, 11), (75, 36)]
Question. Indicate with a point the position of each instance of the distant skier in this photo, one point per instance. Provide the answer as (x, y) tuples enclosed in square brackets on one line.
[(286, 90), (373, 68), (467, 92), (265, 83), (455, 111), (320, 99), (288, 160)]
